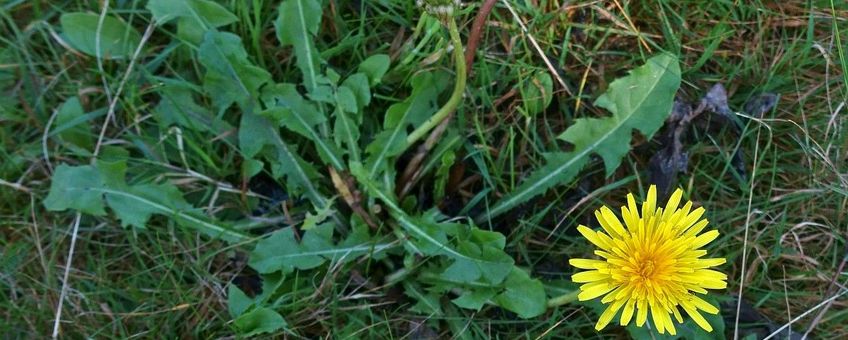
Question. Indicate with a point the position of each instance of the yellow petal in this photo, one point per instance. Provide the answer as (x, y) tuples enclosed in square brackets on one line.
[(608, 314), (589, 276), (610, 222), (696, 228), (697, 317), (627, 313), (713, 284), (590, 235), (587, 263), (669, 325), (593, 290), (712, 262), (634, 211), (659, 321), (673, 203), (704, 238), (677, 315), (649, 207), (692, 217), (703, 305), (612, 295), (641, 313)]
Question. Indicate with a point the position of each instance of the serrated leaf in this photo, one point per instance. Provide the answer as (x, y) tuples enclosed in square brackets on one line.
[(131, 213), (291, 111), (255, 132), (82, 188), (283, 252), (258, 321), (73, 188), (297, 24), (427, 302), (230, 77), (640, 101), (523, 296), (313, 220), (474, 298), (118, 40)]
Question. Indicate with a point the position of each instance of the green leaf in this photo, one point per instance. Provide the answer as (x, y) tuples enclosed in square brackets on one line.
[(283, 252), (537, 93), (195, 17), (255, 133), (258, 321), (178, 107), (291, 111), (230, 77), (490, 264), (640, 101), (118, 40), (475, 298), (357, 84), (428, 302), (204, 13), (413, 111), (71, 125), (131, 213), (82, 188), (237, 301), (523, 296), (346, 128), (311, 221), (375, 67), (297, 25), (472, 261), (74, 188)]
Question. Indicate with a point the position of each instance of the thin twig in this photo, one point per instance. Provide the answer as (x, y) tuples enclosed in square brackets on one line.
[(98, 52), (64, 290), (111, 112), (745, 237), (15, 186)]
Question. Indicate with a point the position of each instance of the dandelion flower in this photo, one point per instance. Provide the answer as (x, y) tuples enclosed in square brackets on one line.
[(651, 264)]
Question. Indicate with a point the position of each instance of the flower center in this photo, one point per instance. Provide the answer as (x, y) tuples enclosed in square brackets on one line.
[(647, 269)]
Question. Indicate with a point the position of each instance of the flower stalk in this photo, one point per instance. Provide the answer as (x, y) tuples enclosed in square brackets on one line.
[(563, 299), (458, 89)]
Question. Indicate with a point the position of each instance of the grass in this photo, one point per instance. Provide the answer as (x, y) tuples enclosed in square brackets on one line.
[(783, 225)]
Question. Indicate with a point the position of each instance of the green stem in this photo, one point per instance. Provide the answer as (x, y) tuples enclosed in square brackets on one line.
[(563, 299), (456, 96)]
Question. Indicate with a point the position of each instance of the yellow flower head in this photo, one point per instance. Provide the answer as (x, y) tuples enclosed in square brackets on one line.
[(653, 263)]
